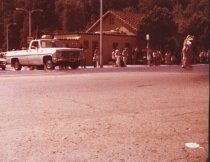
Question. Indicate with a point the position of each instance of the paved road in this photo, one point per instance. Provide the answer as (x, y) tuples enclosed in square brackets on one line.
[(108, 68), (129, 114)]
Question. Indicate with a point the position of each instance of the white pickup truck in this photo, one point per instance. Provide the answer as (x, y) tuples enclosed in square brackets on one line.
[(45, 54)]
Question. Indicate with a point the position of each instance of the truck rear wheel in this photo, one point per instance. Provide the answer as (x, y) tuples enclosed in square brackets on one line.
[(17, 65), (74, 66), (49, 64)]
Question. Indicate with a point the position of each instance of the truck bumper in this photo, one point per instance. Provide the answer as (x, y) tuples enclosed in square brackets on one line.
[(66, 61)]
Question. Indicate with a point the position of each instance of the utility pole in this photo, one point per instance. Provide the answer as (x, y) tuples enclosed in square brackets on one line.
[(101, 34), (30, 12)]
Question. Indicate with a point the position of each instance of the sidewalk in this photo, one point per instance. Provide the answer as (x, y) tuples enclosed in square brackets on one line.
[(196, 67)]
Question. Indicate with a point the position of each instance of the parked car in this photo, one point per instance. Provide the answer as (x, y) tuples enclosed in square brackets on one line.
[(2, 61)]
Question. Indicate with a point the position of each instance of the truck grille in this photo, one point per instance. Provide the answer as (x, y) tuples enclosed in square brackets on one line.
[(70, 54), (2, 63)]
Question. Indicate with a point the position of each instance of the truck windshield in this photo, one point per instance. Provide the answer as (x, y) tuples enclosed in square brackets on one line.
[(51, 44)]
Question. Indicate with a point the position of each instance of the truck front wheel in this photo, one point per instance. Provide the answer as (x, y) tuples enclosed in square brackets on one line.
[(49, 64), (17, 65)]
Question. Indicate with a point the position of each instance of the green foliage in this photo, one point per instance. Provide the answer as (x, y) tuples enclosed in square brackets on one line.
[(72, 15), (174, 19), (196, 18), (164, 20), (159, 24)]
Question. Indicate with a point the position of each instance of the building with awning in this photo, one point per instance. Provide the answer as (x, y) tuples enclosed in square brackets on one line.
[(119, 31)]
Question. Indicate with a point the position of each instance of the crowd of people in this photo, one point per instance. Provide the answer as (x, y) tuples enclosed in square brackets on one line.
[(204, 56), (120, 57), (123, 56)]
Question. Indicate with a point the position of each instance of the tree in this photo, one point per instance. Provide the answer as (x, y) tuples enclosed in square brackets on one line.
[(173, 19), (196, 21), (72, 15), (146, 5), (1, 25), (6, 15), (183, 18), (47, 21), (159, 24), (120, 4)]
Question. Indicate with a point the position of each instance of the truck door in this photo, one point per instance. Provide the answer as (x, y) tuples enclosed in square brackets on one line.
[(33, 56)]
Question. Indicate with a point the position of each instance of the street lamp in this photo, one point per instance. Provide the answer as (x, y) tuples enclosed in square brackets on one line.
[(7, 32), (30, 12)]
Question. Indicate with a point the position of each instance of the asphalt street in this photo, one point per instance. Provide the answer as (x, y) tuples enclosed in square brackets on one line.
[(132, 114)]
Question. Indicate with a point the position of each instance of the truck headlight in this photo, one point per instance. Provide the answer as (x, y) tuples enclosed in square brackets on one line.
[(3, 62)]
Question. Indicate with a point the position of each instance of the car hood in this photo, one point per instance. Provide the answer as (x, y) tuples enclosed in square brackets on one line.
[(68, 49), (2, 59)]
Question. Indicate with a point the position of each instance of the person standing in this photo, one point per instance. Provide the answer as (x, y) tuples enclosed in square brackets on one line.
[(149, 58), (135, 54), (154, 55), (125, 56), (113, 56), (159, 57), (201, 56), (167, 58), (83, 60), (96, 57), (118, 57)]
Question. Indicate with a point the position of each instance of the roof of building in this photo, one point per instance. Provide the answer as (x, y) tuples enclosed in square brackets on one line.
[(130, 18), (77, 35)]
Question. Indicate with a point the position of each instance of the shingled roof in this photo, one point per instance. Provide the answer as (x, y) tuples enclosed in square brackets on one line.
[(129, 18)]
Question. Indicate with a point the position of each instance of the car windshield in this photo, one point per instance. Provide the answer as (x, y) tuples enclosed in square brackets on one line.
[(51, 44)]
